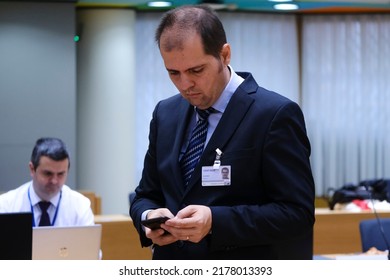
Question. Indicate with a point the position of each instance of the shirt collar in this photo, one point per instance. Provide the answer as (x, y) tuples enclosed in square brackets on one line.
[(35, 199), (234, 82)]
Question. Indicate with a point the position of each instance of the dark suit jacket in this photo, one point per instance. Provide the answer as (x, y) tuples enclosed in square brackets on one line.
[(268, 210)]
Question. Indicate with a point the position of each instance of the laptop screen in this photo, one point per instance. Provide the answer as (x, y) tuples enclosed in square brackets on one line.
[(16, 236), (66, 243)]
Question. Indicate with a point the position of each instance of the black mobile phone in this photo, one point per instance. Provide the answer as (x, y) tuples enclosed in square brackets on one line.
[(154, 223)]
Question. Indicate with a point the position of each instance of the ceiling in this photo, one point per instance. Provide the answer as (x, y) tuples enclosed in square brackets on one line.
[(256, 5)]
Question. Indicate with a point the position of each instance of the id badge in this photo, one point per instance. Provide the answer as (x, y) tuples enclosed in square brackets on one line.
[(212, 176)]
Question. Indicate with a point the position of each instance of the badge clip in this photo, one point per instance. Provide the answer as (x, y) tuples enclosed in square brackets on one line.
[(217, 161)]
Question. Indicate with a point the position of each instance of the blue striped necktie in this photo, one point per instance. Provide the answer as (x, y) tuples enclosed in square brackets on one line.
[(196, 144)]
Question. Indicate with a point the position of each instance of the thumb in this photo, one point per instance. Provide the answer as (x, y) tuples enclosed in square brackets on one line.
[(186, 212)]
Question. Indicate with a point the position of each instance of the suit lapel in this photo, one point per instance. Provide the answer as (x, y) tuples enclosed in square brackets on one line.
[(184, 114)]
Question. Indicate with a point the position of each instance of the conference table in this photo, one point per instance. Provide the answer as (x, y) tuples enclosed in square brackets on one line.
[(335, 232)]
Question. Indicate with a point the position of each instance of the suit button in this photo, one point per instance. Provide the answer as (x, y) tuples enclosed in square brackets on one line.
[(228, 248)]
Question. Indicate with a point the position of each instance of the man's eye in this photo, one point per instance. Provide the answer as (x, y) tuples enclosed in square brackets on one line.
[(197, 71)]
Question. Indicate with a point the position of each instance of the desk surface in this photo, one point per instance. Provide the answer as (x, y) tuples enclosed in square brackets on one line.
[(112, 218), (327, 211), (120, 240)]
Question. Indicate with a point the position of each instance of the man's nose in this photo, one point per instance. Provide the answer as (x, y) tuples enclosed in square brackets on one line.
[(54, 179), (186, 83)]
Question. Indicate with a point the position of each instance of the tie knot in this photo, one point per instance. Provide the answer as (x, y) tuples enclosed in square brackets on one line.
[(204, 114), (44, 205)]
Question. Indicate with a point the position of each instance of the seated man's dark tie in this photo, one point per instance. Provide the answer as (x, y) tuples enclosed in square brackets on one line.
[(196, 144), (45, 219)]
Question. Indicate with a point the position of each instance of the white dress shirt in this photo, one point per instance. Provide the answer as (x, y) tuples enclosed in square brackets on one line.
[(72, 208)]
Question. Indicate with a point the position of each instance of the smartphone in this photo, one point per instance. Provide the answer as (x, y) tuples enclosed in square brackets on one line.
[(154, 223)]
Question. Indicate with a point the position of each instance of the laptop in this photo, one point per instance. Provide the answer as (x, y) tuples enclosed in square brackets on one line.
[(66, 243), (15, 236)]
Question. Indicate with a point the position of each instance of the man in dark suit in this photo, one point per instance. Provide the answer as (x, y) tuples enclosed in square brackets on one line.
[(263, 208)]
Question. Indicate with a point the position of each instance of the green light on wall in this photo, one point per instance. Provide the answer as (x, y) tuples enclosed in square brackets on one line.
[(76, 38)]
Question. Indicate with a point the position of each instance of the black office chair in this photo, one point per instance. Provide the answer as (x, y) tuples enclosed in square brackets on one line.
[(131, 197), (372, 233)]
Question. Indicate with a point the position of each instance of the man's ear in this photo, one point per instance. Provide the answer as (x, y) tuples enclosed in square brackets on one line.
[(226, 54), (31, 167)]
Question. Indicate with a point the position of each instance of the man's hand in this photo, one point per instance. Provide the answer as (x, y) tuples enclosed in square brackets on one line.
[(192, 223), (159, 236)]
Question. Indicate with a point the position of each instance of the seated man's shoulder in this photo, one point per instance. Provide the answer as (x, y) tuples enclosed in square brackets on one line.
[(10, 201), (66, 190)]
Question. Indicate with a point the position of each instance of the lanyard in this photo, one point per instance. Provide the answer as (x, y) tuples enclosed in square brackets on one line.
[(32, 208)]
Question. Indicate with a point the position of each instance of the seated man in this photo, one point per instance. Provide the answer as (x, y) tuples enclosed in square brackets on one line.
[(51, 202)]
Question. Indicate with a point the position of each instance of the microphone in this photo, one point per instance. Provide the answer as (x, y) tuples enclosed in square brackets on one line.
[(382, 231)]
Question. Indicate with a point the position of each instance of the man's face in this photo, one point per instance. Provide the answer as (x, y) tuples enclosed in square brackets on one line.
[(49, 176), (225, 173), (199, 77)]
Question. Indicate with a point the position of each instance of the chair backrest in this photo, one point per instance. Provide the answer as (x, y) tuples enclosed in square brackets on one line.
[(131, 197), (371, 235)]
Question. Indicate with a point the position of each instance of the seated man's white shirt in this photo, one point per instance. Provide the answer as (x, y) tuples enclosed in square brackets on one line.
[(74, 208)]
